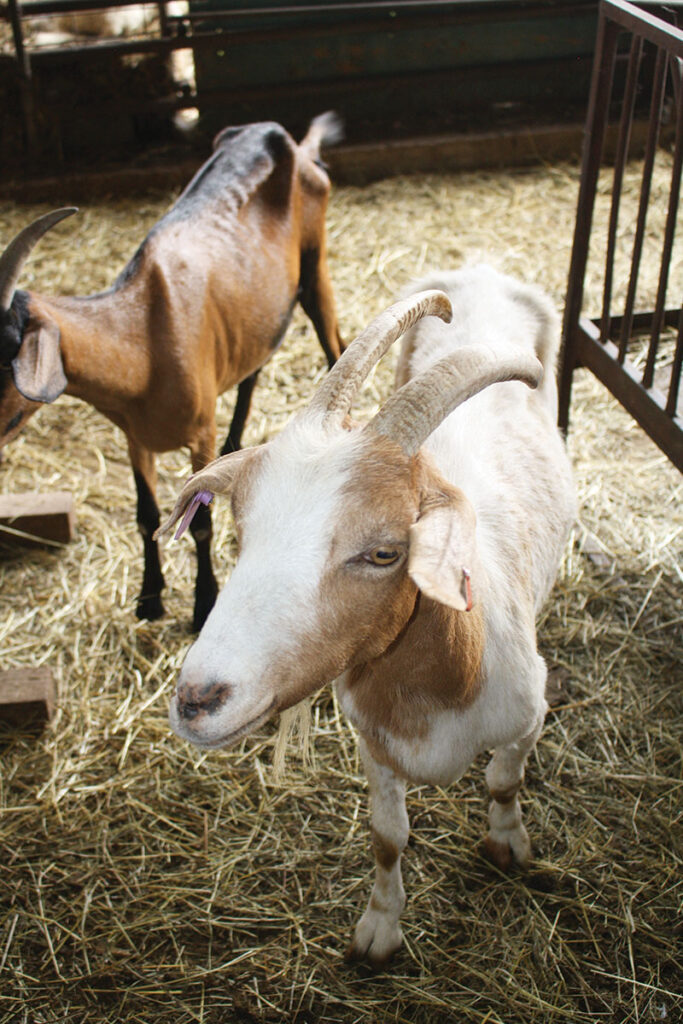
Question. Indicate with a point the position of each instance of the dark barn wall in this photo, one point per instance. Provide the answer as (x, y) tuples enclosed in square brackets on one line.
[(400, 70)]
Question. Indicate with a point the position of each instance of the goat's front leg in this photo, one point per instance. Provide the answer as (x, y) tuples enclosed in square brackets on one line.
[(378, 934), (149, 604), (245, 390), (508, 839), (206, 587)]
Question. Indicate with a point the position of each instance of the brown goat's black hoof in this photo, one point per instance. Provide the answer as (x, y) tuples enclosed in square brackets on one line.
[(150, 608)]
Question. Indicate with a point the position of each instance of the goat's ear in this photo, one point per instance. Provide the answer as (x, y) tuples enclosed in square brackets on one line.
[(442, 559), (216, 478), (37, 368)]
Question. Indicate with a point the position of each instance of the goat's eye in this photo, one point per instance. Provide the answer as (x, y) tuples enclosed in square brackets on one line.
[(382, 556)]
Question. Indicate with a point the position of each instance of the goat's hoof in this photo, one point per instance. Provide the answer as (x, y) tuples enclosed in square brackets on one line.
[(374, 942), (150, 607), (506, 848)]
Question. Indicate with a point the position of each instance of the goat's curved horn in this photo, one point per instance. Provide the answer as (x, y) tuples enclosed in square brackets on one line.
[(17, 252), (416, 409), (334, 396)]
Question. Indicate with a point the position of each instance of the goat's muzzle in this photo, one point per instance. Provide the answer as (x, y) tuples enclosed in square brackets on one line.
[(196, 700)]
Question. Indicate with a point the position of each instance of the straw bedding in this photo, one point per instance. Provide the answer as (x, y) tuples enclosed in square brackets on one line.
[(145, 881)]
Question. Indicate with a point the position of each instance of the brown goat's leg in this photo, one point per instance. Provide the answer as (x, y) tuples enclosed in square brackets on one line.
[(378, 933), (239, 417), (206, 588), (507, 839), (317, 300), (149, 602)]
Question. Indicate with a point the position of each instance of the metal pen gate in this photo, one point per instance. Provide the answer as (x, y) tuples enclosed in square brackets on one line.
[(649, 391)]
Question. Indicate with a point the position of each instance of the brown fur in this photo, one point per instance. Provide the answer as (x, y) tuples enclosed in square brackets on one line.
[(408, 656), (499, 854), (505, 796), (386, 852), (433, 665), (433, 662), (199, 311)]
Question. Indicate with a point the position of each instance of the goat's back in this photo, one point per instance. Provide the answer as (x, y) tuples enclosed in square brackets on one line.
[(502, 446), (489, 308)]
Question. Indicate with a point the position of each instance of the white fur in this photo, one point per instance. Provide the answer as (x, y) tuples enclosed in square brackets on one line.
[(503, 450), (271, 597)]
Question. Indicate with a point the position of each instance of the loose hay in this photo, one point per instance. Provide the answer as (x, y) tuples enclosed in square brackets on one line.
[(144, 880)]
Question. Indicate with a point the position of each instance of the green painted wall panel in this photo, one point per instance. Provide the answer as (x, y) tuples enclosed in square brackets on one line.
[(358, 53), (486, 45)]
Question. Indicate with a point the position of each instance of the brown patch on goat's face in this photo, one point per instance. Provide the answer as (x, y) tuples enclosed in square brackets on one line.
[(433, 662), (364, 606), (434, 665), (360, 611), (408, 656), (360, 607)]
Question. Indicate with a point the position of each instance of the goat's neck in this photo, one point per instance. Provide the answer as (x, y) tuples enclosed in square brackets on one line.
[(102, 344), (434, 665)]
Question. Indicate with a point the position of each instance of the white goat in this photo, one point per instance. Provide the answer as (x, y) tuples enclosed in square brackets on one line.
[(406, 559)]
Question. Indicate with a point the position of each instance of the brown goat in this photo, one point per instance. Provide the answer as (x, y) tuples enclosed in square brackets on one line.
[(199, 308)]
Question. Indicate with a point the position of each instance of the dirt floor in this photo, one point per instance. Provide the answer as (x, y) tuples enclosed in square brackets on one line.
[(146, 881)]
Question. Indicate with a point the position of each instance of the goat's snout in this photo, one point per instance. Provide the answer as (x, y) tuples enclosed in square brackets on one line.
[(197, 698)]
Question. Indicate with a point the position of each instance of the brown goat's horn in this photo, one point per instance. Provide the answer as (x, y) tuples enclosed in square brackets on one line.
[(17, 252), (416, 409), (334, 396)]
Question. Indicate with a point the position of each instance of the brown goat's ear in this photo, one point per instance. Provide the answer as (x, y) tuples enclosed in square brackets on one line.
[(37, 368), (442, 559)]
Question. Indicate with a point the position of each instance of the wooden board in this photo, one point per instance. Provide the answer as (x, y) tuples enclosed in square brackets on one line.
[(33, 519), (27, 696)]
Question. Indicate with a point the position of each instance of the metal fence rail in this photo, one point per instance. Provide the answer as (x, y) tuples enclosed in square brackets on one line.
[(327, 52), (604, 344)]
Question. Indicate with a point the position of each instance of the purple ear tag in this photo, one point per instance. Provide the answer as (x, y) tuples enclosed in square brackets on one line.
[(201, 497)]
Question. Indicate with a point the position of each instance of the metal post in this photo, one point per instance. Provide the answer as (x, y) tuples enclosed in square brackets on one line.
[(25, 76), (596, 124)]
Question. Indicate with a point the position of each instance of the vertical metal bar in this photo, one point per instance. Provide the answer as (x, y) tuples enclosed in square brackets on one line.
[(676, 367), (669, 231), (677, 77), (594, 135), (25, 83), (619, 163), (18, 35), (648, 164), (164, 27)]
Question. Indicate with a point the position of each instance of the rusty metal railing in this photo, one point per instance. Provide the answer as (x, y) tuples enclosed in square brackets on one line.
[(604, 344)]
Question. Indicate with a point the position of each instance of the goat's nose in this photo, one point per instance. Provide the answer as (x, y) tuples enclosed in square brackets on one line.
[(195, 699)]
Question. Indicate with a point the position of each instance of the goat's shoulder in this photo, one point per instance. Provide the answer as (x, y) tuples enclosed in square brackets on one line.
[(490, 308)]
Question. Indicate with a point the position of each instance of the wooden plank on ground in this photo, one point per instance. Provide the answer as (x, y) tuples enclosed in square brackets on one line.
[(33, 519), (27, 696)]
